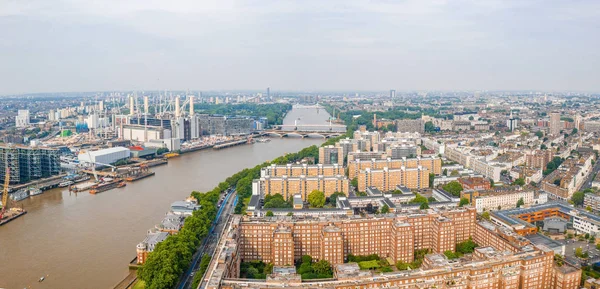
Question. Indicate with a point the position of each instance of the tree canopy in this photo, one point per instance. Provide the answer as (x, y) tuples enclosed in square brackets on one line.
[(454, 188), (316, 199)]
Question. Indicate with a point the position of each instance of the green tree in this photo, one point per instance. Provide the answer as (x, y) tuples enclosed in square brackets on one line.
[(419, 199), (520, 203), (316, 199), (574, 132), (543, 147), (539, 134), (270, 214), (519, 182), (486, 215), (429, 127), (454, 173), (431, 179), (577, 198), (306, 259), (454, 188), (424, 206), (463, 201), (445, 172), (385, 209), (333, 198), (354, 182), (322, 267)]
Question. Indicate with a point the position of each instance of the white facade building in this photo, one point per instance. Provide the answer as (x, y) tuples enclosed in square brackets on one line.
[(104, 156), (506, 200), (22, 118)]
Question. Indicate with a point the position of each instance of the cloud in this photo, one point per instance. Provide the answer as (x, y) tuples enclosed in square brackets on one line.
[(65, 45)]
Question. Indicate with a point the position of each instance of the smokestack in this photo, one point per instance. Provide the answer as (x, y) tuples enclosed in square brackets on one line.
[(131, 106), (191, 105), (101, 105), (146, 105), (177, 112)]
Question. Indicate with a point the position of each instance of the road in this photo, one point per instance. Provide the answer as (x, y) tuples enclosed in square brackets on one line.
[(588, 183), (208, 246)]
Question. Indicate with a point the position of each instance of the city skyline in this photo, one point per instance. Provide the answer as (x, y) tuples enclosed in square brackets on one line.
[(494, 45)]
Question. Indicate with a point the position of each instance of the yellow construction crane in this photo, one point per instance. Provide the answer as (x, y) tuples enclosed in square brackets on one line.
[(5, 192)]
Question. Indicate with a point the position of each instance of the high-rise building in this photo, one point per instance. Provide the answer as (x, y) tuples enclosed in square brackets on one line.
[(555, 123), (392, 93), (331, 155), (22, 118), (268, 93), (411, 125)]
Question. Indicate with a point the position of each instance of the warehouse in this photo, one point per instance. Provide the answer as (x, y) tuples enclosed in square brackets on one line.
[(105, 156)]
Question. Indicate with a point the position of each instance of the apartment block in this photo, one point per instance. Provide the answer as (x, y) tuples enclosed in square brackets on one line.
[(388, 179), (503, 259), (538, 159), (333, 238), (303, 185), (433, 165), (293, 170), (410, 125), (331, 155)]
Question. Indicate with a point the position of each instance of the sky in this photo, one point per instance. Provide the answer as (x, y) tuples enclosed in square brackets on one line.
[(101, 45)]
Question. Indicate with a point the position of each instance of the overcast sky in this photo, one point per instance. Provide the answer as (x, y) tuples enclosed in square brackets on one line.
[(87, 45)]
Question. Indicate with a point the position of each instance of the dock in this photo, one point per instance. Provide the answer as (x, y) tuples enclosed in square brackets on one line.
[(230, 144), (135, 177), (8, 219), (42, 184)]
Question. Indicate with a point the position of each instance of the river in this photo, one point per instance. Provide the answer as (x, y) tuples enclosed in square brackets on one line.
[(86, 241)]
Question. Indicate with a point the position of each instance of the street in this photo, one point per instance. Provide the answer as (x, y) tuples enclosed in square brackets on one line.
[(208, 246), (588, 183)]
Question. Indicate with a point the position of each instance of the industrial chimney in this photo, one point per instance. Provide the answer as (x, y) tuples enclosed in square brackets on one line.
[(191, 105), (146, 111), (177, 112)]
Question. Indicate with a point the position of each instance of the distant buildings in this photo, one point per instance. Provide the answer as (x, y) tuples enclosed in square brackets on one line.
[(555, 123), (410, 125), (22, 118)]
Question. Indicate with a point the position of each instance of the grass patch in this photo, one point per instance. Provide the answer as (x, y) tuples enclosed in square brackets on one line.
[(368, 265), (139, 285)]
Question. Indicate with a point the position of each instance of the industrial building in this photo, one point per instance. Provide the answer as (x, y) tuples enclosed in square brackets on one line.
[(28, 163), (223, 125), (105, 156)]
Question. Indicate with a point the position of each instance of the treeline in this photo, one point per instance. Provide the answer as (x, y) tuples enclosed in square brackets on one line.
[(274, 112), (173, 256), (366, 117)]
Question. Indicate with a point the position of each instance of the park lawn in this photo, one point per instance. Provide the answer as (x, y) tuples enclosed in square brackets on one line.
[(139, 284)]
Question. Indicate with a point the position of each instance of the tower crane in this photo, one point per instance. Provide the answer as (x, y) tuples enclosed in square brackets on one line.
[(5, 192)]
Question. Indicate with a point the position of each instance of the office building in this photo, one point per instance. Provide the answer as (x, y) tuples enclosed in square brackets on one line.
[(392, 93), (223, 125)]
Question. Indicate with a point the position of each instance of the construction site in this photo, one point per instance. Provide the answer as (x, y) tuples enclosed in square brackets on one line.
[(28, 163), (8, 212)]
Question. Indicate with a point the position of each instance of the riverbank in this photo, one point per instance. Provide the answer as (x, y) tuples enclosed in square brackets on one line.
[(108, 242)]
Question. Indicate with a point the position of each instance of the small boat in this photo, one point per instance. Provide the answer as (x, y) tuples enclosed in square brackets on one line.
[(20, 195), (65, 184), (121, 184), (42, 279), (34, 191)]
